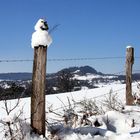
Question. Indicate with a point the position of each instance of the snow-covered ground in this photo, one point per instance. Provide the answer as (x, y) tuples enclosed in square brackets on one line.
[(114, 125)]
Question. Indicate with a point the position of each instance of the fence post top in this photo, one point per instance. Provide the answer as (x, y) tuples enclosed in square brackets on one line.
[(128, 47)]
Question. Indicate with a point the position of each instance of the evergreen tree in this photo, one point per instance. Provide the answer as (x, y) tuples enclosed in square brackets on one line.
[(65, 82)]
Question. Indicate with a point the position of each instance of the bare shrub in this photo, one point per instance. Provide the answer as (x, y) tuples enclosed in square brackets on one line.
[(14, 127), (69, 114), (112, 102), (90, 107)]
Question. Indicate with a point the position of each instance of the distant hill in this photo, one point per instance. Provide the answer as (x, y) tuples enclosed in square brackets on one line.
[(28, 76), (80, 71), (16, 76)]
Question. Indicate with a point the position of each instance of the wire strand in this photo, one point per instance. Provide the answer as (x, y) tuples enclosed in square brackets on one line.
[(65, 59)]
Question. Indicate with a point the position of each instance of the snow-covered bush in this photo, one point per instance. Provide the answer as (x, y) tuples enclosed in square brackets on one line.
[(137, 95)]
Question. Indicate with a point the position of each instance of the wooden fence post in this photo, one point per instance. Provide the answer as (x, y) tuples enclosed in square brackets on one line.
[(129, 64), (38, 90)]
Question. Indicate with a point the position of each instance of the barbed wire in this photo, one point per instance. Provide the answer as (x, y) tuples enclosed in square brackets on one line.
[(84, 59), (65, 59)]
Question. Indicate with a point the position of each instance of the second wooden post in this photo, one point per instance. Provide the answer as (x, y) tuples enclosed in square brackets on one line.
[(129, 64)]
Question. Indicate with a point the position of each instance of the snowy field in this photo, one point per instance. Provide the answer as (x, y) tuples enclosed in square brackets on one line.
[(110, 124)]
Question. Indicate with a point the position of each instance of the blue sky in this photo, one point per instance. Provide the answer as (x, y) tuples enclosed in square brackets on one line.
[(88, 28)]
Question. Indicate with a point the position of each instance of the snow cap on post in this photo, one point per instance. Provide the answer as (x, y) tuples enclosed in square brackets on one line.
[(41, 36), (129, 47)]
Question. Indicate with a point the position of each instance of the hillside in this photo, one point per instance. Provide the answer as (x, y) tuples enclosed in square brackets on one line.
[(65, 80)]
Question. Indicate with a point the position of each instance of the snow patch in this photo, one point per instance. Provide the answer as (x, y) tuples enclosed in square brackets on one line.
[(92, 76)]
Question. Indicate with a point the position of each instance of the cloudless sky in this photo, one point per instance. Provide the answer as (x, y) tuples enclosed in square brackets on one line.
[(87, 28)]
